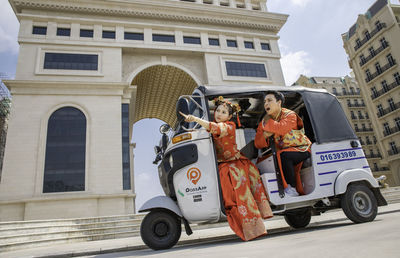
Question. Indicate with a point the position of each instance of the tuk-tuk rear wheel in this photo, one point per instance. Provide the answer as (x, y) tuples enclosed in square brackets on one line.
[(359, 204), (298, 218), (160, 230)]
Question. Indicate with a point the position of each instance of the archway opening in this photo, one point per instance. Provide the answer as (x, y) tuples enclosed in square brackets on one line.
[(157, 91)]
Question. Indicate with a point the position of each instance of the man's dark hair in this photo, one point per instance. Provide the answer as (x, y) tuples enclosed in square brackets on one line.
[(278, 96)]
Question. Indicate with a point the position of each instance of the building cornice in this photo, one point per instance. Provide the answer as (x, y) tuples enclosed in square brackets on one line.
[(161, 10)]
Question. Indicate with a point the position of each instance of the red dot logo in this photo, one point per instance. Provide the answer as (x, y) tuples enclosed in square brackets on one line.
[(194, 175)]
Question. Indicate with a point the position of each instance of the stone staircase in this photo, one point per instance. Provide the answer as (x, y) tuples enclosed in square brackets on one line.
[(28, 234)]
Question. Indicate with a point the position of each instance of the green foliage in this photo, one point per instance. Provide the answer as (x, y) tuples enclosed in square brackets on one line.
[(5, 105)]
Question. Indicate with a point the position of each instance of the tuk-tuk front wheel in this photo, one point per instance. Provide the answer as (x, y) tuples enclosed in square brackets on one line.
[(298, 218), (359, 204), (160, 230)]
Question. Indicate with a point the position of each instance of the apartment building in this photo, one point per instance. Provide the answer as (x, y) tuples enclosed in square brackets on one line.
[(349, 95), (373, 49)]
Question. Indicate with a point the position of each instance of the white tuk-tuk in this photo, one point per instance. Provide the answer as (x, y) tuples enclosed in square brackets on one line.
[(337, 174)]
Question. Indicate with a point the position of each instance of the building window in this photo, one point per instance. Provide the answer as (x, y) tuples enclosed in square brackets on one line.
[(384, 43), (64, 169), (397, 78), (245, 69), (378, 25), (248, 44), (334, 90), (108, 34), (367, 35), (213, 42), (362, 59), (385, 86), (380, 109), (352, 90), (391, 104), (231, 43), (397, 122), (368, 74), (386, 128), (356, 102), (356, 127), (358, 43), (39, 30), (133, 36), (63, 32), (265, 46), (191, 40), (164, 38), (374, 91), (393, 147), (126, 167), (352, 115), (344, 91), (360, 115), (390, 60), (371, 51), (378, 68), (86, 33), (70, 61)]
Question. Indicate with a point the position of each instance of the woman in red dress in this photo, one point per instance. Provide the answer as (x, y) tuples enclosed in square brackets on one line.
[(245, 201)]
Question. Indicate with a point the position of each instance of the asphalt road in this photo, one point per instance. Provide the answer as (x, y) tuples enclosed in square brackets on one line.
[(380, 238)]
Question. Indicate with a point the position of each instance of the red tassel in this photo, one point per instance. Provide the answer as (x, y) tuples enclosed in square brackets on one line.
[(238, 120)]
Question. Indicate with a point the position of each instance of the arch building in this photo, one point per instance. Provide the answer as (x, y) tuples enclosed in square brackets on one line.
[(89, 69)]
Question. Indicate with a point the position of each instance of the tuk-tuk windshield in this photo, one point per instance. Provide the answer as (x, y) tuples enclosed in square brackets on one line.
[(194, 108)]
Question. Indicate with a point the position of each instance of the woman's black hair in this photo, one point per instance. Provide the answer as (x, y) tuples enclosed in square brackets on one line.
[(278, 95)]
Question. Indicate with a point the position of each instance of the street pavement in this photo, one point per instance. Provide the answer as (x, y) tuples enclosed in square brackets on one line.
[(209, 235)]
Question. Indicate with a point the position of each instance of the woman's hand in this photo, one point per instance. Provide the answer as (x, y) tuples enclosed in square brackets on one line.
[(188, 118), (267, 134)]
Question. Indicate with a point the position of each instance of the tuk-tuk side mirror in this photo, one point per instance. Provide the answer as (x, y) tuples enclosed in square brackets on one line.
[(164, 128), (182, 106)]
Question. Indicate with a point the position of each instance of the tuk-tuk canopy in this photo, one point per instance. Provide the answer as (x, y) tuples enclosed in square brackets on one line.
[(327, 117)]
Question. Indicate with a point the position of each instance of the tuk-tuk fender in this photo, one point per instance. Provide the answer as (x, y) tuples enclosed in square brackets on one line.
[(353, 175), (161, 202)]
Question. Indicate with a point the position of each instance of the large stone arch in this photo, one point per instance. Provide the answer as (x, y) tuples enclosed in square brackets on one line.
[(157, 90)]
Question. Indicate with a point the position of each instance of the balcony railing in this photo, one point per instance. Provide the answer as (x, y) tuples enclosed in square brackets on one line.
[(388, 110), (391, 131), (373, 156), (383, 69), (359, 130), (394, 151), (347, 93), (384, 90), (376, 52), (372, 34), (356, 105), (369, 142), (380, 169)]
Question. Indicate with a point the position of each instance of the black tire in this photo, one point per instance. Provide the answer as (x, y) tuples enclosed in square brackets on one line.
[(298, 218), (359, 204), (160, 230)]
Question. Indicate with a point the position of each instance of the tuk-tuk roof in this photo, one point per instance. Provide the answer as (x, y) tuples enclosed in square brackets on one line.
[(327, 117), (227, 90)]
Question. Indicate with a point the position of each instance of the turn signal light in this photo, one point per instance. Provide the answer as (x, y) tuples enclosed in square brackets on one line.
[(182, 137)]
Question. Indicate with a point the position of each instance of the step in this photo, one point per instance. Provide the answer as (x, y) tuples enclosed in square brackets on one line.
[(60, 222), (67, 227), (50, 241), (65, 234)]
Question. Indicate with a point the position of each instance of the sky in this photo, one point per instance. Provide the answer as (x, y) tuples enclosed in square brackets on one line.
[(310, 44)]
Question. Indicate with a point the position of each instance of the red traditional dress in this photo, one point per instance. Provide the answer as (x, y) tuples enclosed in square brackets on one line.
[(283, 127), (246, 203)]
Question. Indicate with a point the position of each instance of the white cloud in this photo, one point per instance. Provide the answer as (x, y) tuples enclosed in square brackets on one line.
[(301, 3), (294, 64), (9, 27)]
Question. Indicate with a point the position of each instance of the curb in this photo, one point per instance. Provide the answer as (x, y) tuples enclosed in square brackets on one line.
[(200, 240)]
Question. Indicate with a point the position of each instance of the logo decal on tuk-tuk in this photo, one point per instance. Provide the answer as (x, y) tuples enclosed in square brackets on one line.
[(194, 175)]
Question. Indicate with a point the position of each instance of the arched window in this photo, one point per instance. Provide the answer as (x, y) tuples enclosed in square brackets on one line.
[(64, 169)]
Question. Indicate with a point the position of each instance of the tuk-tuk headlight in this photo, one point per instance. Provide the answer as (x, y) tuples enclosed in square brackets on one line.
[(171, 161)]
